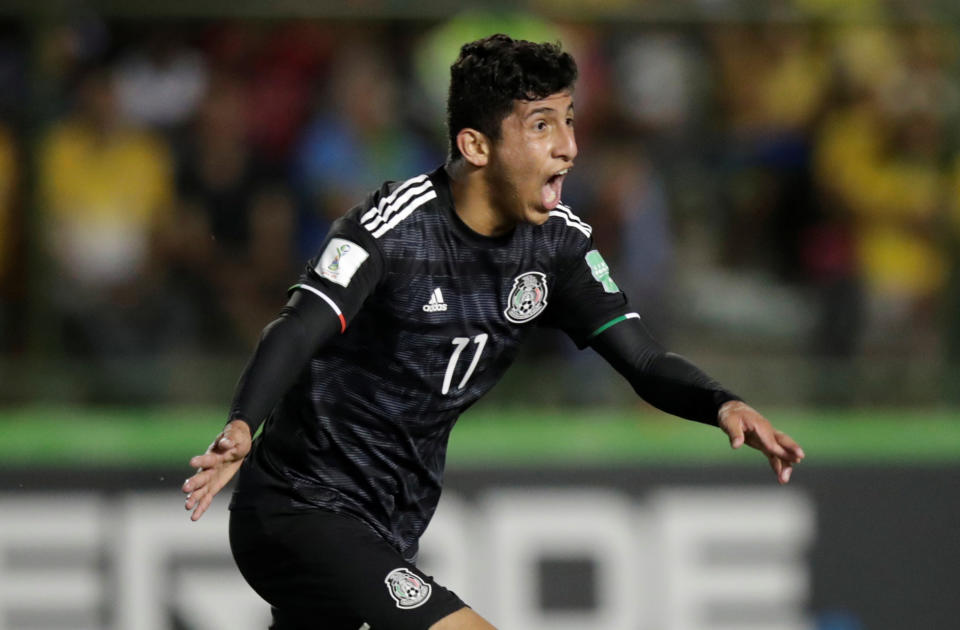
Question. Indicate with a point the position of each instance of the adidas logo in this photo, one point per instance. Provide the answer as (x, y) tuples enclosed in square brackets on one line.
[(436, 302)]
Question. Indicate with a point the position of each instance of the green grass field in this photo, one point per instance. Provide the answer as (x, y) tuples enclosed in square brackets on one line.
[(70, 437)]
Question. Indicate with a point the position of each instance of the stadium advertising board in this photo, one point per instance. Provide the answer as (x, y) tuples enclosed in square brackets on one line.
[(638, 548)]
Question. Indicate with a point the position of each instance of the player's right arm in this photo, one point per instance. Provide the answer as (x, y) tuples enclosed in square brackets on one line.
[(329, 293), (216, 467), (305, 324)]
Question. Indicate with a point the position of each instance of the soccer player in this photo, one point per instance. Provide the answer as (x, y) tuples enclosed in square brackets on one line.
[(416, 304)]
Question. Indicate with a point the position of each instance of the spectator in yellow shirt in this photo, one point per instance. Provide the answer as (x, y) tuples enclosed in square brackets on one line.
[(106, 188)]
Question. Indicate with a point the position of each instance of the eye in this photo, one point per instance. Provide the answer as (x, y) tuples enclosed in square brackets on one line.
[(540, 125), (569, 122)]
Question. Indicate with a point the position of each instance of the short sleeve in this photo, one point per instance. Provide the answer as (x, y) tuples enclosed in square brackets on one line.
[(347, 269), (586, 297)]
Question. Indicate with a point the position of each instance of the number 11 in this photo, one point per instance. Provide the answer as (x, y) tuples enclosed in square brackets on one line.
[(461, 343)]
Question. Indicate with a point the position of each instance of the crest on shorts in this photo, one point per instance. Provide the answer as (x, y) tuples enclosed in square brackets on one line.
[(528, 297), (407, 588)]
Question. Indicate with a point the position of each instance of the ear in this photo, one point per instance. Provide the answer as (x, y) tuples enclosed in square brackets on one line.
[(474, 146)]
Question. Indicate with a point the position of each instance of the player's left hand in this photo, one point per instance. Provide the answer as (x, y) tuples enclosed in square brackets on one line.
[(744, 425)]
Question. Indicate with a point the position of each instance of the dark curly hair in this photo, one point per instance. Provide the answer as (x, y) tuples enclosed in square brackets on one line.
[(491, 73)]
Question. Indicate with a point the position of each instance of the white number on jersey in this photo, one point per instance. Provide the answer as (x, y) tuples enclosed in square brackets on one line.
[(461, 343)]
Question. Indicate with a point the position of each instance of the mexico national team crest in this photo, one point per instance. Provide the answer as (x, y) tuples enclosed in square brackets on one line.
[(407, 588), (528, 297)]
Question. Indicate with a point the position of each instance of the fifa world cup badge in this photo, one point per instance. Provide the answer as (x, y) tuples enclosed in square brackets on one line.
[(528, 297), (407, 588), (340, 260)]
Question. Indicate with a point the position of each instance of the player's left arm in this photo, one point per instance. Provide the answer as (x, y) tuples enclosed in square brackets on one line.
[(590, 307), (744, 425), (674, 385)]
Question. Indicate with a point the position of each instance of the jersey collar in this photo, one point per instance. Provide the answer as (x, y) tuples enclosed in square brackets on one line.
[(441, 183)]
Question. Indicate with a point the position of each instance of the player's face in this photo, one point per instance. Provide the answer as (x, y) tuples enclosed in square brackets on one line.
[(530, 160)]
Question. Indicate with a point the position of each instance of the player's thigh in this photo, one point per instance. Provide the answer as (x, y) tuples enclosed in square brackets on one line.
[(312, 618), (300, 599), (331, 562), (463, 619)]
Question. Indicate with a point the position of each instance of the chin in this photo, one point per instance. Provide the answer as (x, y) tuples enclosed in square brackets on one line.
[(537, 215)]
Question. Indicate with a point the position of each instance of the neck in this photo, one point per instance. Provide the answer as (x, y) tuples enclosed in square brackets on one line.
[(472, 200)]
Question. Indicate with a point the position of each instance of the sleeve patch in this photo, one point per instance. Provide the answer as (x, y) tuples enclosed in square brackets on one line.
[(601, 271), (340, 260)]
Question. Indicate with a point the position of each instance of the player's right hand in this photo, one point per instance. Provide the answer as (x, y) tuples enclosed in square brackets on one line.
[(216, 467)]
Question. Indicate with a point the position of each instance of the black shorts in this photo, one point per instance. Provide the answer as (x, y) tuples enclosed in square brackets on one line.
[(321, 570)]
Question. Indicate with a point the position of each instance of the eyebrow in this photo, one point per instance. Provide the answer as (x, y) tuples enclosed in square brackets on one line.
[(546, 110)]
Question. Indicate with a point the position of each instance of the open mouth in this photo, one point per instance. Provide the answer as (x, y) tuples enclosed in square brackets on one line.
[(550, 193)]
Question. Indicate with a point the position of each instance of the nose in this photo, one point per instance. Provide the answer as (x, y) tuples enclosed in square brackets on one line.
[(566, 147)]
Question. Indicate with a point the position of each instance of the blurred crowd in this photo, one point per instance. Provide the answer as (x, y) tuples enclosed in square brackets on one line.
[(162, 183)]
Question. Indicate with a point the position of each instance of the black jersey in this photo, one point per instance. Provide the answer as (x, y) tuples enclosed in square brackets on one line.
[(432, 315)]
